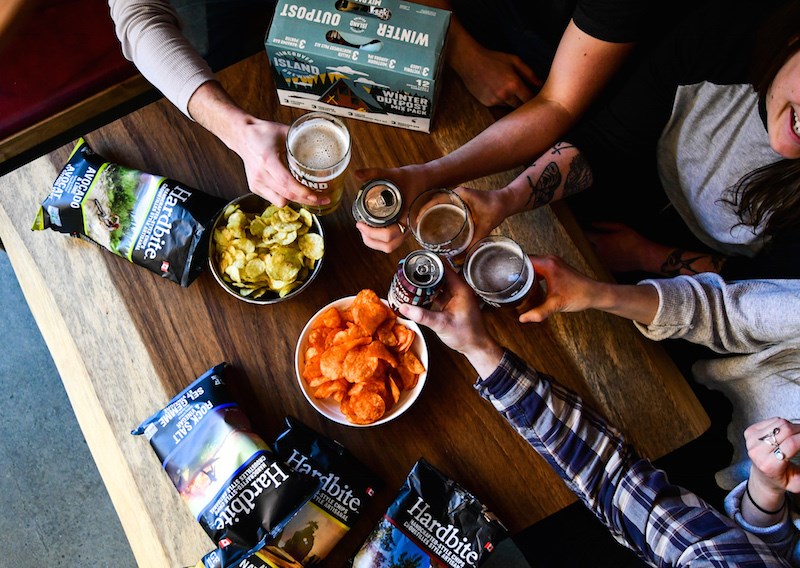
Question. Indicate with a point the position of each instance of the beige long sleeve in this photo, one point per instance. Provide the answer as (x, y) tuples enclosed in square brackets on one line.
[(151, 37)]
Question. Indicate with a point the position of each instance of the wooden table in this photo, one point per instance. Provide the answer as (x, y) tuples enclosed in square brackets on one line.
[(125, 341)]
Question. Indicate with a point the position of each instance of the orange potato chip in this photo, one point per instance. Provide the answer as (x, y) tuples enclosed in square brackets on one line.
[(331, 362), (316, 338), (385, 333), (330, 318), (333, 388), (359, 365), (378, 350), (369, 312), (312, 369), (393, 389), (407, 378), (405, 337), (353, 331), (411, 362)]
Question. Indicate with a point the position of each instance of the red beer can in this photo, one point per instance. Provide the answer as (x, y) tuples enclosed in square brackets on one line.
[(418, 280)]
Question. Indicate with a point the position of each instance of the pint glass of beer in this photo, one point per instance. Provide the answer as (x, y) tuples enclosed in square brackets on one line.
[(442, 223), (318, 151), (500, 272)]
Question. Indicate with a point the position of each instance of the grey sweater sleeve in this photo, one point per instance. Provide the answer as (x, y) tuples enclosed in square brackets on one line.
[(736, 317), (150, 34)]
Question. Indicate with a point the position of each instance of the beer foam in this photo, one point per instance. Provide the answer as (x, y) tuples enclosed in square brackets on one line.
[(317, 144)]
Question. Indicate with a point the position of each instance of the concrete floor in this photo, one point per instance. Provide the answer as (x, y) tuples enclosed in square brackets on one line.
[(55, 509)]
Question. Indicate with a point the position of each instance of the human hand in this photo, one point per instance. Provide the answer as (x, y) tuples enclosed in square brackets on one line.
[(459, 324), (411, 184), (769, 473), (567, 289), (488, 209), (495, 78), (261, 145)]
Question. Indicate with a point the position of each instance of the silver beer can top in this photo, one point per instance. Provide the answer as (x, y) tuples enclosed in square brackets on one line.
[(423, 269), (378, 203)]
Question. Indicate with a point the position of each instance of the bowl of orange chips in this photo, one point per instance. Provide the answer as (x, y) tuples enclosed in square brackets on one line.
[(358, 363)]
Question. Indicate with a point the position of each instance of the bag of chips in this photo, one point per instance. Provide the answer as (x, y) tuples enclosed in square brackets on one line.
[(347, 486), (152, 221), (235, 487), (432, 522)]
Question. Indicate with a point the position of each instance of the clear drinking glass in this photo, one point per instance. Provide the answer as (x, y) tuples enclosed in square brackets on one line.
[(441, 222), (318, 152), (500, 272)]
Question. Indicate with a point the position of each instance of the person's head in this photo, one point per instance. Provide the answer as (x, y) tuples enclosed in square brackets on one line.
[(771, 194), (777, 78)]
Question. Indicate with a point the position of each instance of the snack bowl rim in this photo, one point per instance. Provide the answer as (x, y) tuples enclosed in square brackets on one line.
[(273, 297), (328, 407)]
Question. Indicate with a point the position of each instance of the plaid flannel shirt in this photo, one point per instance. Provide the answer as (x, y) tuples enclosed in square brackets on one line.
[(665, 524)]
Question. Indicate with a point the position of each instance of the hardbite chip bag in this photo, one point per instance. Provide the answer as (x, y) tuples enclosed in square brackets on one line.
[(347, 486), (235, 487), (152, 221), (432, 522)]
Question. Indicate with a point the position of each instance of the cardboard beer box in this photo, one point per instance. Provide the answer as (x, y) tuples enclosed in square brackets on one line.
[(375, 60)]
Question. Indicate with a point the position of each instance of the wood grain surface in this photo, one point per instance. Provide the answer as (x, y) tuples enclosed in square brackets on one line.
[(125, 341)]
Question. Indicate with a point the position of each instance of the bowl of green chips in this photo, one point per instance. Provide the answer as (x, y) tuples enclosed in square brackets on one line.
[(262, 253)]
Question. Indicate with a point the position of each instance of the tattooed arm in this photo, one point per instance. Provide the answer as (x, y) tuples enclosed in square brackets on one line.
[(560, 172)]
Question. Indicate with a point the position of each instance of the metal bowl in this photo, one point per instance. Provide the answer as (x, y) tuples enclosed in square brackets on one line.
[(252, 203)]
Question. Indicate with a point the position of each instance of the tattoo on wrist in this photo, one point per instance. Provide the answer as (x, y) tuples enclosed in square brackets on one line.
[(675, 263), (559, 147), (579, 176), (545, 187)]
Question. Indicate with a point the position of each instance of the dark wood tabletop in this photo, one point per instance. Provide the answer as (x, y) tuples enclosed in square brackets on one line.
[(125, 341)]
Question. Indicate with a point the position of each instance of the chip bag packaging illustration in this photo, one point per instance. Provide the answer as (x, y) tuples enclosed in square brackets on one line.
[(433, 521), (152, 221), (234, 485), (375, 60), (347, 488)]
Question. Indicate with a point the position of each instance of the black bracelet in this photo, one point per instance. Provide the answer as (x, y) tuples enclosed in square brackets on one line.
[(756, 505)]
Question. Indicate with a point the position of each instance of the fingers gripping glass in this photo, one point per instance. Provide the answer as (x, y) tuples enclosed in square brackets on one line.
[(318, 151)]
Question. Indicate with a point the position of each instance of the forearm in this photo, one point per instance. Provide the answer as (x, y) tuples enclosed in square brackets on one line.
[(213, 108), (737, 317), (666, 524), (518, 138)]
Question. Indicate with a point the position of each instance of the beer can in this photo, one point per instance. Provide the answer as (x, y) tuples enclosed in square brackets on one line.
[(418, 280), (378, 203)]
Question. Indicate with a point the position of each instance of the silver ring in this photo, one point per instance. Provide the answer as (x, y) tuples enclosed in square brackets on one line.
[(778, 453), (770, 438)]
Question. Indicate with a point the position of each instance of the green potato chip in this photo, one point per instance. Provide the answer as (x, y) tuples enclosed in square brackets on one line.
[(311, 245), (255, 268), (257, 226), (287, 214), (288, 288)]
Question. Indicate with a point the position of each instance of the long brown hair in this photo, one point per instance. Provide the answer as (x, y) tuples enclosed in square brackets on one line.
[(771, 194)]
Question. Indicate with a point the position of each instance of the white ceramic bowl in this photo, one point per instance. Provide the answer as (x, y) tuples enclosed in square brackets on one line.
[(329, 407), (253, 203)]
